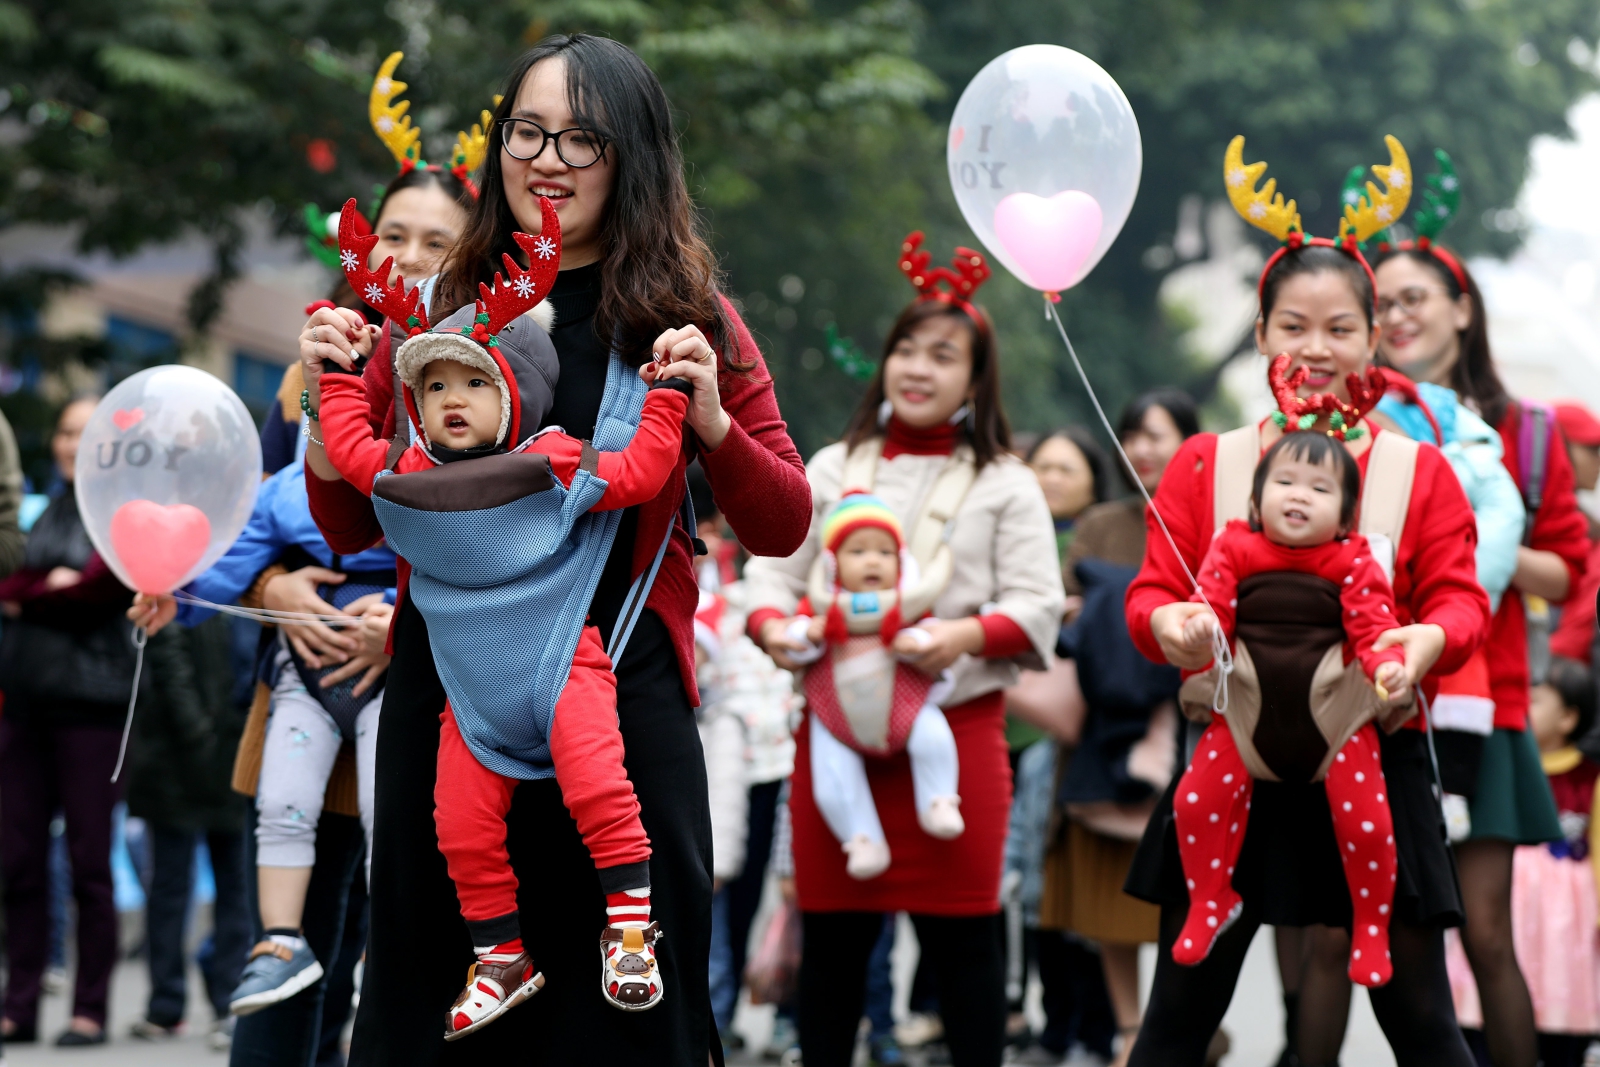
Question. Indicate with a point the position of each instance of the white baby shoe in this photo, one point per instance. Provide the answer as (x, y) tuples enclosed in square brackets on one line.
[(943, 818), (866, 858)]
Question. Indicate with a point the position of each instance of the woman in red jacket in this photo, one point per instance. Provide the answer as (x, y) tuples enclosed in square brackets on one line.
[(1434, 330), (1316, 306), (585, 123)]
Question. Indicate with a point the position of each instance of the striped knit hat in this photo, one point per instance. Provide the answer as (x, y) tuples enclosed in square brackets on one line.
[(859, 510)]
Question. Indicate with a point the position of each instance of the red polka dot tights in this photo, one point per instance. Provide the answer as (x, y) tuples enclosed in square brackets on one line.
[(1211, 809)]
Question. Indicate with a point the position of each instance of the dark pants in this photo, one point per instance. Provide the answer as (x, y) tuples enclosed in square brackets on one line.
[(300, 1031), (44, 770), (167, 914), (744, 892), (963, 953), (880, 984), (1076, 1004), (419, 950)]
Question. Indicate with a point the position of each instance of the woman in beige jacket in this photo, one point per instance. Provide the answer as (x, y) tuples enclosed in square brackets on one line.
[(931, 440)]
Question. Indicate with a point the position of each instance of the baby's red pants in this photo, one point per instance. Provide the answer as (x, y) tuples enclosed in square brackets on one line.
[(1211, 810), (471, 801)]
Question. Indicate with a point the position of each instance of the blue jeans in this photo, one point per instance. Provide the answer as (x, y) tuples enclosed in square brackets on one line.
[(880, 983), (724, 984), (167, 910)]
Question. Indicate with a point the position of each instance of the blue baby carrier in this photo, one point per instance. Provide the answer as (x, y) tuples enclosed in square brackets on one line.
[(505, 561)]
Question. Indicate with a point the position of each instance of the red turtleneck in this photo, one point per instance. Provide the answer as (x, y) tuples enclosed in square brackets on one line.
[(903, 440)]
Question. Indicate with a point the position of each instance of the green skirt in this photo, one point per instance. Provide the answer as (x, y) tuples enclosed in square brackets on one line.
[(1513, 801)]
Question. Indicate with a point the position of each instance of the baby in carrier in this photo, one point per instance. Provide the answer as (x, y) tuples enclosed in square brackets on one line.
[(864, 702), (1298, 594), (483, 510)]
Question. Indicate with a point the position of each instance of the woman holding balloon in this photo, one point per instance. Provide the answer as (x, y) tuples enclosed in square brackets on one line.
[(1317, 317), (636, 282)]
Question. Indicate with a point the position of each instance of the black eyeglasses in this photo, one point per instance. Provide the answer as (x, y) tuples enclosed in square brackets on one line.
[(576, 146)]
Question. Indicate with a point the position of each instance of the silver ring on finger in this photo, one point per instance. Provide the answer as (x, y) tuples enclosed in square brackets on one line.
[(314, 339)]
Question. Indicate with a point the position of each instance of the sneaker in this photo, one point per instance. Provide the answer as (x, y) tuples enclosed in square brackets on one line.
[(918, 1029), (865, 858), (492, 989), (885, 1052), (629, 977), (220, 1039), (943, 818), (54, 982), (785, 1037), (274, 974), (145, 1030)]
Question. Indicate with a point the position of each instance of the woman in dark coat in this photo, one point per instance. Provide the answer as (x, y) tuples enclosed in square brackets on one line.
[(637, 281)]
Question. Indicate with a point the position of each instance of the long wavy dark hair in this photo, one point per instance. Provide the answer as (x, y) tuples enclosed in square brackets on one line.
[(657, 270), (1473, 377), (986, 429)]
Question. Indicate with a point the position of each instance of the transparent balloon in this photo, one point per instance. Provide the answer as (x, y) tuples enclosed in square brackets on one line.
[(166, 476), (1044, 158)]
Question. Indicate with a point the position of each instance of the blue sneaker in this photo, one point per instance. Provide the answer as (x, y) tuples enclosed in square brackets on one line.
[(274, 974)]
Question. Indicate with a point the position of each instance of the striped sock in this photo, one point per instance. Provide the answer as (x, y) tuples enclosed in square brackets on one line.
[(504, 953), (631, 907)]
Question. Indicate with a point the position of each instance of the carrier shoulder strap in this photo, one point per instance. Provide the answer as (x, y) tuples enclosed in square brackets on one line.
[(861, 465), (926, 533), (1386, 492), (1238, 452), (1533, 456)]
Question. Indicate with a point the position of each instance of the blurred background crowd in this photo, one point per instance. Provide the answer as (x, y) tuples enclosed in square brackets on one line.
[(157, 160)]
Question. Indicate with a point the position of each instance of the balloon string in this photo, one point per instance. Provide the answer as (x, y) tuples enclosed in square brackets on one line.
[(267, 615), (141, 636), (1221, 653)]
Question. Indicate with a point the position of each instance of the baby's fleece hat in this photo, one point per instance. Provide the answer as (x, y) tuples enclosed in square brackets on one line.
[(859, 510), (521, 362)]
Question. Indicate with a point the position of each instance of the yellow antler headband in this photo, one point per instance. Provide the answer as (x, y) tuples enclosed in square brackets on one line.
[(1265, 208), (389, 119)]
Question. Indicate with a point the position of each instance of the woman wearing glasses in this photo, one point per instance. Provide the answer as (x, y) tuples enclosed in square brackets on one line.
[(1434, 330), (585, 123)]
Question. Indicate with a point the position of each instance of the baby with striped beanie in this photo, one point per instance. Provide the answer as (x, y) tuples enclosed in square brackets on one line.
[(863, 701)]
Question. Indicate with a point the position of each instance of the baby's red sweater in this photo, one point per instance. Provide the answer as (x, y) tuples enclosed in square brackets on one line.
[(1239, 552), (632, 476)]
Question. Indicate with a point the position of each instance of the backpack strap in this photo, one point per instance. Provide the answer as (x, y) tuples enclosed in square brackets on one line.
[(1386, 492), (861, 466), (639, 591), (1533, 458), (1238, 453)]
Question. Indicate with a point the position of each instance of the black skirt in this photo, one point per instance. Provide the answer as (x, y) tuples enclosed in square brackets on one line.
[(419, 950), (1289, 867)]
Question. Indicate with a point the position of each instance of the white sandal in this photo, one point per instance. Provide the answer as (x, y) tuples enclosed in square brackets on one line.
[(492, 990), (630, 977)]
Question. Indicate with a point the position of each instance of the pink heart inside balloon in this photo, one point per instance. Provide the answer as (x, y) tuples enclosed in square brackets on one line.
[(157, 544), (125, 419), (1048, 238)]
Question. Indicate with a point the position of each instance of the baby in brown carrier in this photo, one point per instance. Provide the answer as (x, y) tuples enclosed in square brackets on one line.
[(1301, 599)]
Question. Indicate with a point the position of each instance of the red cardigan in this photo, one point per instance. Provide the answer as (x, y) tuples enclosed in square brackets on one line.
[(757, 475), (1435, 577), (1559, 527)]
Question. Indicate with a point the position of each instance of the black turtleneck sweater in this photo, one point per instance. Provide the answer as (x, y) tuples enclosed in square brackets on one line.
[(582, 384)]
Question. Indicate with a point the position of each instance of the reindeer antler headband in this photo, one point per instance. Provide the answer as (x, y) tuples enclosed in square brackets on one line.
[(515, 292), (1441, 201), (392, 124), (966, 274), (1296, 412), (1370, 212)]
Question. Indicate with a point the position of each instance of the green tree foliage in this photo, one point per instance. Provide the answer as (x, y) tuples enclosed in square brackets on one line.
[(813, 130)]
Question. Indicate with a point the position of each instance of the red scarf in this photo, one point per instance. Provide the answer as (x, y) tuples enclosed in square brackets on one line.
[(903, 440)]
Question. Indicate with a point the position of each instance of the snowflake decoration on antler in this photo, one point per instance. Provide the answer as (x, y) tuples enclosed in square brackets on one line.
[(1296, 412), (544, 247)]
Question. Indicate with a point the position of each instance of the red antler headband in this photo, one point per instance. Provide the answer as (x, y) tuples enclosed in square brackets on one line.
[(1296, 412), (971, 271), (523, 289), (355, 248)]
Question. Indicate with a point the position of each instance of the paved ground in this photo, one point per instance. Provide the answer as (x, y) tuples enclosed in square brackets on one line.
[(1255, 1022)]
